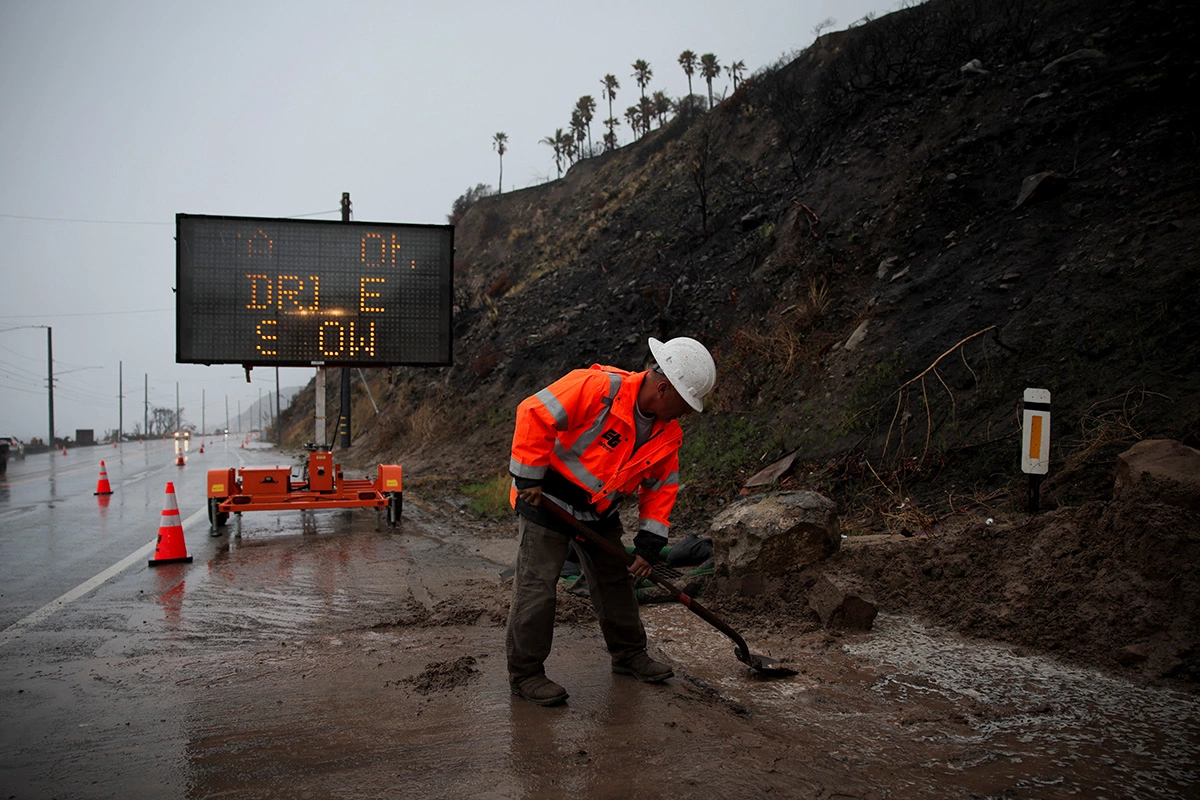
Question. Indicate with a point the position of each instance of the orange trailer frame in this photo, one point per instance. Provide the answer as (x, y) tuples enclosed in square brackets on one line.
[(322, 486)]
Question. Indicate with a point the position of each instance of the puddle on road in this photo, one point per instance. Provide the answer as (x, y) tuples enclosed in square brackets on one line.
[(944, 708), (1081, 723)]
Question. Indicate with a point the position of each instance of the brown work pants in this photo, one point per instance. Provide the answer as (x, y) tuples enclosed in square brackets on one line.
[(540, 558)]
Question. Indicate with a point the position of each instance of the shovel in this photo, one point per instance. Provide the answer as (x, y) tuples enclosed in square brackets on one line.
[(760, 664)]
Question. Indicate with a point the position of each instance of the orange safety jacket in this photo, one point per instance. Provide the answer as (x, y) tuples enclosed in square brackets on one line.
[(582, 426)]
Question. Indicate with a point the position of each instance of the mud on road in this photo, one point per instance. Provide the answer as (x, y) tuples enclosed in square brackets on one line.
[(327, 656)]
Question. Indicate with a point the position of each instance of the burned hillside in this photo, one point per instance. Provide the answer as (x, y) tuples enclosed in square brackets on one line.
[(883, 242)]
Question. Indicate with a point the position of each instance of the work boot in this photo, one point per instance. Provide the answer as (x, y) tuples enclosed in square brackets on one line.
[(644, 668), (539, 689)]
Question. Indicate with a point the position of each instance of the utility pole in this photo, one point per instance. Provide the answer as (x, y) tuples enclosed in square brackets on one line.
[(278, 427), (146, 404), (178, 415), (50, 378), (344, 418), (227, 415), (120, 400), (49, 374), (203, 408)]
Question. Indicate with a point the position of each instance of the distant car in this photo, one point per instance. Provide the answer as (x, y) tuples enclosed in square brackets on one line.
[(15, 448)]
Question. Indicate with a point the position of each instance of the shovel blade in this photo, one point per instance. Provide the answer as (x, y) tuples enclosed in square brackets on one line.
[(765, 666)]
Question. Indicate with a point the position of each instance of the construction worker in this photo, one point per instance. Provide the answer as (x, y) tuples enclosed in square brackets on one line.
[(585, 443)]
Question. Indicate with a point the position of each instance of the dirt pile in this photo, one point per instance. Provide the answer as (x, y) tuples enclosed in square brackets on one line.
[(443, 676), (1111, 584), (1107, 583)]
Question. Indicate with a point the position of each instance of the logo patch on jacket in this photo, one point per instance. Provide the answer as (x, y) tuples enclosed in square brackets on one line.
[(610, 439)]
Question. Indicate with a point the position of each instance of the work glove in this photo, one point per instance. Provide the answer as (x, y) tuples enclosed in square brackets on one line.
[(649, 545)]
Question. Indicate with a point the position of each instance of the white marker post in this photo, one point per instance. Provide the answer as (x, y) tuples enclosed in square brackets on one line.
[(1035, 441)]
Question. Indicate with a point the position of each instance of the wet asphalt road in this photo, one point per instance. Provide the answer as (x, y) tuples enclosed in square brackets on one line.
[(55, 534), (79, 606)]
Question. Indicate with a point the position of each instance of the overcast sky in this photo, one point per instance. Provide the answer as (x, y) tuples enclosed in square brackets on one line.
[(118, 115)]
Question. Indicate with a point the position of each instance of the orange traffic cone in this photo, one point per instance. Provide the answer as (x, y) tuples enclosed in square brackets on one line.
[(64, 451), (102, 486), (170, 548), (202, 447)]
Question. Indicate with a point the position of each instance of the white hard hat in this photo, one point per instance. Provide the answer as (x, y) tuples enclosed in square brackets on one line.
[(688, 366)]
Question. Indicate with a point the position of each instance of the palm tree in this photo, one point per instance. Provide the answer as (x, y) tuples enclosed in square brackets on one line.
[(645, 113), (643, 74), (566, 143), (500, 145), (662, 106), (610, 92), (709, 69), (688, 60), (632, 116), (586, 107), (578, 132), (555, 142), (610, 89), (610, 138), (736, 69)]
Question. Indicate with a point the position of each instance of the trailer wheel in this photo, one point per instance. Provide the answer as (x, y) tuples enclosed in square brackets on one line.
[(216, 519), (394, 507)]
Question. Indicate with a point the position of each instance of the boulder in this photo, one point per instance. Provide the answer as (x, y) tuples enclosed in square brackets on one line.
[(1084, 58), (1167, 470), (773, 534), (751, 220), (841, 603), (1039, 187), (973, 67), (856, 339)]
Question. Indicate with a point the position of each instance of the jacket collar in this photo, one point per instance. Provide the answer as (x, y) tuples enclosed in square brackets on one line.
[(624, 406)]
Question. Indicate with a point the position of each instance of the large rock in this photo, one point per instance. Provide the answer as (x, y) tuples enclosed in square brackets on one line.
[(1162, 469), (775, 533)]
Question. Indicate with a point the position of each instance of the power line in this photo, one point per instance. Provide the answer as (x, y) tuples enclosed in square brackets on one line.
[(132, 222), (86, 221), (85, 314)]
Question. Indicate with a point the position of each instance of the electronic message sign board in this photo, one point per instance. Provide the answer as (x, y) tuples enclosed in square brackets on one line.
[(291, 293)]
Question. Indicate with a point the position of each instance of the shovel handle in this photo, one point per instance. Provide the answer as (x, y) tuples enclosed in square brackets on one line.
[(616, 550)]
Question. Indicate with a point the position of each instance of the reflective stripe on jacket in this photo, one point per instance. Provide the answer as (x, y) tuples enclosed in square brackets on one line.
[(582, 427)]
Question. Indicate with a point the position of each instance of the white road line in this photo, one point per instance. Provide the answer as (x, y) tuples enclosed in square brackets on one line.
[(61, 602), (17, 511)]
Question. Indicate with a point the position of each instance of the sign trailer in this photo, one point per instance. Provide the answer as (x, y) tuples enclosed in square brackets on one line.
[(296, 293)]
